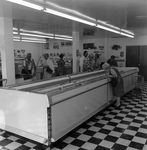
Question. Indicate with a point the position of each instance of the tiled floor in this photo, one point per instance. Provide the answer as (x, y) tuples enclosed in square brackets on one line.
[(121, 128)]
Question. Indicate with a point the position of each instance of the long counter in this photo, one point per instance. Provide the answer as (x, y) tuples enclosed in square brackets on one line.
[(45, 111)]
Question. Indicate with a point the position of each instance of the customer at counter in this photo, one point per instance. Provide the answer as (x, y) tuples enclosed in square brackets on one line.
[(61, 70), (97, 63), (88, 64), (116, 81), (84, 57), (112, 62), (29, 67), (48, 67)]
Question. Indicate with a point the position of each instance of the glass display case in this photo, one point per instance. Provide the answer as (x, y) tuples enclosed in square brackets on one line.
[(45, 111)]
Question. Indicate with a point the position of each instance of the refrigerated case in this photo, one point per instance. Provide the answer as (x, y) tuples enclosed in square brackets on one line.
[(45, 111)]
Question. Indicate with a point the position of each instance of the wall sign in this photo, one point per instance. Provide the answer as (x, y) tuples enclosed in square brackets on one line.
[(101, 47), (55, 45), (121, 54), (46, 46), (116, 47), (67, 43), (88, 46)]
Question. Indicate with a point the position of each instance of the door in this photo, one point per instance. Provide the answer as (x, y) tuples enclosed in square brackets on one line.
[(136, 57), (132, 56), (143, 62)]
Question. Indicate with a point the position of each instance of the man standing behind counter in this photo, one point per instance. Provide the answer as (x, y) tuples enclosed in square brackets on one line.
[(48, 67), (29, 67), (112, 62), (85, 56)]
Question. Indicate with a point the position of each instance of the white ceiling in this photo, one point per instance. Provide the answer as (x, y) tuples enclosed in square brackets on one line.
[(121, 13)]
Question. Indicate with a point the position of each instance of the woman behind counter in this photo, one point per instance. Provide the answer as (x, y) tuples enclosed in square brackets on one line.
[(118, 87), (88, 64), (29, 67), (61, 70), (48, 67), (97, 63)]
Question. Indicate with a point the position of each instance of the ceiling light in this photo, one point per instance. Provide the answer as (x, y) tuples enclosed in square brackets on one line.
[(36, 39), (68, 10), (27, 4), (15, 32), (16, 37), (127, 31), (57, 38), (33, 41), (15, 29), (128, 35), (35, 35), (106, 24), (37, 32), (108, 29), (16, 40), (60, 14)]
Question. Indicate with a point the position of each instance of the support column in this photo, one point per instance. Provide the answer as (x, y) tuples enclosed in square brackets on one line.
[(6, 42), (106, 56), (75, 47)]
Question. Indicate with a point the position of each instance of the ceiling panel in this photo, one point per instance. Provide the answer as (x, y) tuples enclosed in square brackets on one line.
[(121, 13)]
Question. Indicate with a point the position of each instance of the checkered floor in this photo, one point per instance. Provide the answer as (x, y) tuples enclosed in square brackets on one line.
[(121, 128)]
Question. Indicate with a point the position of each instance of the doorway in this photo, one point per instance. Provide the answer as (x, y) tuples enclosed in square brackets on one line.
[(136, 56)]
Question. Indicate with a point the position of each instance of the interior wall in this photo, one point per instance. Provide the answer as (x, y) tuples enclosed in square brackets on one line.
[(99, 46), (38, 49), (56, 47), (122, 43), (113, 46), (34, 48)]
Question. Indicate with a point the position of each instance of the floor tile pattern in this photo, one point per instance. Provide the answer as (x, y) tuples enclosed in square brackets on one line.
[(114, 128)]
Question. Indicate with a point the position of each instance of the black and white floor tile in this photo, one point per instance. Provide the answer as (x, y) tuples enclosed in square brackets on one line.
[(121, 128)]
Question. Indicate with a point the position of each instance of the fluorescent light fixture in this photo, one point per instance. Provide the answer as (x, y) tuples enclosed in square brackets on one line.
[(128, 35), (37, 32), (67, 10), (16, 37), (58, 38), (112, 26), (127, 31), (16, 40), (15, 29), (60, 14), (27, 4), (108, 29), (15, 32), (33, 41), (64, 36), (103, 22), (36, 35), (37, 39), (106, 24)]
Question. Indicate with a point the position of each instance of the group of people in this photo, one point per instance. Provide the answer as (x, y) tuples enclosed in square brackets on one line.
[(89, 62), (29, 67), (92, 62)]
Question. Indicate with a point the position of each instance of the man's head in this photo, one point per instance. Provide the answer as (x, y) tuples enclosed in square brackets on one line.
[(46, 56), (91, 56), (97, 56), (29, 56), (112, 57), (61, 56), (85, 53)]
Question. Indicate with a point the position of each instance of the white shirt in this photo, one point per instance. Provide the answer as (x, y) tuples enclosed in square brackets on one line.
[(81, 63), (49, 63)]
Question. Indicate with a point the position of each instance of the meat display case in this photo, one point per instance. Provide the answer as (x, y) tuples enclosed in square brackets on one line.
[(46, 110)]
